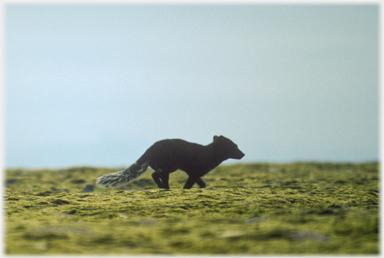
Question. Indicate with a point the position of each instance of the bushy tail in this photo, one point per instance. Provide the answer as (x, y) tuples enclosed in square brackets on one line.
[(122, 177)]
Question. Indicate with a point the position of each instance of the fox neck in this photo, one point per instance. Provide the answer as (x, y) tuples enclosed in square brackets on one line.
[(217, 157)]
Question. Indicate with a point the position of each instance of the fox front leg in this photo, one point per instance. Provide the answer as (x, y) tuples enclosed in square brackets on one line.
[(190, 182), (200, 182)]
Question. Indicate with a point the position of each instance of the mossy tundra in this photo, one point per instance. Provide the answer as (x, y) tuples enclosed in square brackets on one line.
[(299, 208)]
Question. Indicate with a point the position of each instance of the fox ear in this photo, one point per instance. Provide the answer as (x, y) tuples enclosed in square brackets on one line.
[(215, 138)]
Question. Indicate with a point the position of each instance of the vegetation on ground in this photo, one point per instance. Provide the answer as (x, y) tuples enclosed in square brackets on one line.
[(298, 208)]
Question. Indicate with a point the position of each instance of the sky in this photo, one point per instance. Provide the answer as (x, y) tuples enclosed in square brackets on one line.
[(97, 84)]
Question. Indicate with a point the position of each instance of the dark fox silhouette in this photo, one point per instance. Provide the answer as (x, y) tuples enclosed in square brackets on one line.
[(167, 156)]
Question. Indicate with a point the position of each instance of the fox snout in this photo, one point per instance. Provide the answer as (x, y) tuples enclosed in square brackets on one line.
[(238, 155)]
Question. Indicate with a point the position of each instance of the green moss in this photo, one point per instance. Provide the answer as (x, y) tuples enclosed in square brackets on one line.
[(299, 208)]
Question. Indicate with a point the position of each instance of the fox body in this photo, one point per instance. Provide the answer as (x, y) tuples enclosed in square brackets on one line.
[(167, 156)]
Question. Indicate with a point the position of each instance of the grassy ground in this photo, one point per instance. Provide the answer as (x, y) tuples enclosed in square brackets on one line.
[(300, 208)]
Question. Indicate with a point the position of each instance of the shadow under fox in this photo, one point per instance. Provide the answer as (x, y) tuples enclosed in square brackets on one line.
[(167, 156)]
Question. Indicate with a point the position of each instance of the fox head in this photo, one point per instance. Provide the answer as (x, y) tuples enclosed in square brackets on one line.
[(226, 148)]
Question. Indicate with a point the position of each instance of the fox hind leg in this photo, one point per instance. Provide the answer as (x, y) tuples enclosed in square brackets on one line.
[(161, 178), (156, 178), (165, 179)]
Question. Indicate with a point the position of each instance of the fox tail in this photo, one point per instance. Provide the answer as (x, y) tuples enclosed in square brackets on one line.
[(122, 177)]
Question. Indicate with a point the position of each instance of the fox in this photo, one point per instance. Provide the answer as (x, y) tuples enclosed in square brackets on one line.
[(167, 156)]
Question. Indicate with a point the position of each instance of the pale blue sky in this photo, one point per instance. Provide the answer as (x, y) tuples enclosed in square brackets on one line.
[(98, 84)]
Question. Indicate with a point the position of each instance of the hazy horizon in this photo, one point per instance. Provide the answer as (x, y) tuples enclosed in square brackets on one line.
[(97, 84)]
